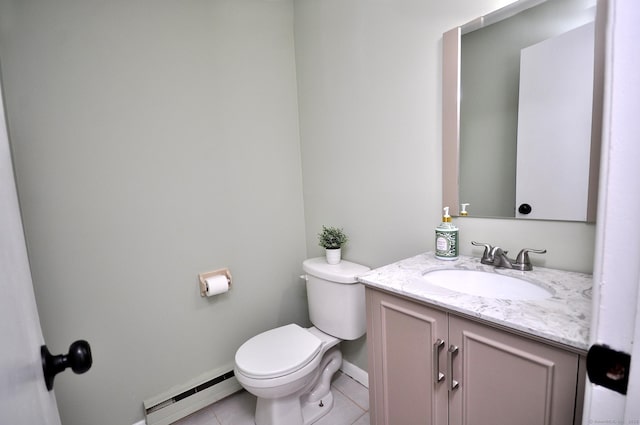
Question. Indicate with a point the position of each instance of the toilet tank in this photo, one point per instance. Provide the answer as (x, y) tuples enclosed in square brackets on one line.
[(336, 299)]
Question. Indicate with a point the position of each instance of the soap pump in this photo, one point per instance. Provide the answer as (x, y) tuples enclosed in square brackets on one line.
[(463, 210), (446, 238)]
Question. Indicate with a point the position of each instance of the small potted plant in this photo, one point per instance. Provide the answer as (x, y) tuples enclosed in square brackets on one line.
[(332, 239)]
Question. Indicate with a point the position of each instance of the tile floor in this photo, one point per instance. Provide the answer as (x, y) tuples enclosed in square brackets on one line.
[(351, 407)]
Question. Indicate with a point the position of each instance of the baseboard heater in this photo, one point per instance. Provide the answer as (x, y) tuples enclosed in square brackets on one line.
[(181, 401)]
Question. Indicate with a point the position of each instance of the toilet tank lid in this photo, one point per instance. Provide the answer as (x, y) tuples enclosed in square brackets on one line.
[(343, 272)]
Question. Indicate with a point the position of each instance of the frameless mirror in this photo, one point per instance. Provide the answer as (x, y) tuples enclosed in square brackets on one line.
[(522, 102)]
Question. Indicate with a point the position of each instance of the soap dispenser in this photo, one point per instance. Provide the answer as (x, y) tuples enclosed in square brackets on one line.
[(463, 210), (446, 238)]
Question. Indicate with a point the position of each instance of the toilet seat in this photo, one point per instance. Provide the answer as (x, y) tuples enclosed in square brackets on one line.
[(277, 352)]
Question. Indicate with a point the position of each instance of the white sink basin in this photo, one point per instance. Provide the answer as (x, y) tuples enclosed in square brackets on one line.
[(488, 285)]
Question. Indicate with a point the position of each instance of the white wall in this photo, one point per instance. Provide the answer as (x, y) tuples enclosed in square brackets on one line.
[(153, 141), (369, 84)]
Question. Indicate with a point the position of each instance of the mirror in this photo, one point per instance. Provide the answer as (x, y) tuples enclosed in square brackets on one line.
[(522, 106)]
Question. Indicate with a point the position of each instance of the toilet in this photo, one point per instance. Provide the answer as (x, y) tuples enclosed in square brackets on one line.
[(289, 368)]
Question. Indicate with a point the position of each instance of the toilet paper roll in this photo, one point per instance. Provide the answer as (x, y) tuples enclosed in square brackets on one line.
[(216, 285)]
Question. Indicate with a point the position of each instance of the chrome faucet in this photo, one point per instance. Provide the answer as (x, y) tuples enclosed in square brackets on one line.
[(496, 256), (500, 258)]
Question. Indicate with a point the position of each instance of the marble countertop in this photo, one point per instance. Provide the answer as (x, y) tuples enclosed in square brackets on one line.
[(563, 318)]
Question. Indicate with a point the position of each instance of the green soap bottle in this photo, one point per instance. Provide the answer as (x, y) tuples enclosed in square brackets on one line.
[(446, 238)]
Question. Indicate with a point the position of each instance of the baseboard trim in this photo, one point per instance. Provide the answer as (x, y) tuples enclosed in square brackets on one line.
[(182, 400), (355, 372), (347, 368)]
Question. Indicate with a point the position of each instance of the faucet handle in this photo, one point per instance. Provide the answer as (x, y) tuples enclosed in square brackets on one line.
[(487, 256), (522, 260)]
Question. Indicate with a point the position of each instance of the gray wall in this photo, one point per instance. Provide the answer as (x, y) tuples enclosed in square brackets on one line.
[(369, 84), (156, 140), (153, 141)]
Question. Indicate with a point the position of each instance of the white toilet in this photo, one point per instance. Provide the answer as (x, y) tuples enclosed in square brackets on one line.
[(289, 368)]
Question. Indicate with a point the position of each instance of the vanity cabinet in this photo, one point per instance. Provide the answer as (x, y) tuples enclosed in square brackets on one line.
[(401, 338), (427, 366)]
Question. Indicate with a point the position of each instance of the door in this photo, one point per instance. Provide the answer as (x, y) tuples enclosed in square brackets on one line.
[(616, 275), (24, 399), (505, 379), (406, 356), (554, 127)]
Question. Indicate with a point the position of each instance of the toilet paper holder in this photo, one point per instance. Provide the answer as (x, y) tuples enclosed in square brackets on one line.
[(202, 277)]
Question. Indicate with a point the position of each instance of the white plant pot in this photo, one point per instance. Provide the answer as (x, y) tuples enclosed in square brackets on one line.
[(333, 255)]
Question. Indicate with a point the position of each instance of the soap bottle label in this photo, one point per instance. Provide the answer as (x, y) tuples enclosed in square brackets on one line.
[(446, 244)]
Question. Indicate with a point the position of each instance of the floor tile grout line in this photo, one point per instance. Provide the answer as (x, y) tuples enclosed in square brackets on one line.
[(359, 417), (215, 415), (350, 399), (346, 395)]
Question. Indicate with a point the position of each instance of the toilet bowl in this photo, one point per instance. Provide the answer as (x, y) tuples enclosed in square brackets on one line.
[(289, 368)]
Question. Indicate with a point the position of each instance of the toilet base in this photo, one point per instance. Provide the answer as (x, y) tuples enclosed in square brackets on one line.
[(306, 406), (312, 411), (290, 412)]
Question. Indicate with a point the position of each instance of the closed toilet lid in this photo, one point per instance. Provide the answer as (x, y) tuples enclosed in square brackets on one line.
[(277, 352)]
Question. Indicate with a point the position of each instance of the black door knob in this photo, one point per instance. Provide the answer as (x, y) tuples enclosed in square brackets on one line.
[(524, 209), (78, 359)]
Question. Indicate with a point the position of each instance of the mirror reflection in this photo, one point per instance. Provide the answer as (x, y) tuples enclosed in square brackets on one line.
[(525, 103)]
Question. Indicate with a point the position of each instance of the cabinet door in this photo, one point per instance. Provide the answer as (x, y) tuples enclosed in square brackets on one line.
[(507, 379), (403, 383)]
